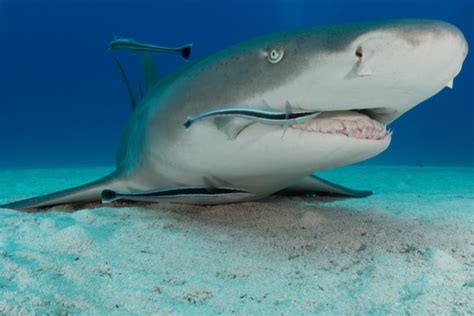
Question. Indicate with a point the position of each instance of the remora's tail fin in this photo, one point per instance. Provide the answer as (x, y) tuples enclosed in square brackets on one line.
[(84, 193), (186, 51), (109, 196)]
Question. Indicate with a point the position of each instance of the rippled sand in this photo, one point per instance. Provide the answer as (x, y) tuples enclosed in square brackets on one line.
[(409, 248)]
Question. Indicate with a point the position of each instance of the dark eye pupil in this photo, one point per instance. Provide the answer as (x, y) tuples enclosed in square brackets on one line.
[(359, 52)]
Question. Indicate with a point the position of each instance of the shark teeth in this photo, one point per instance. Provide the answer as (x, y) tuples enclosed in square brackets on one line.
[(361, 127)]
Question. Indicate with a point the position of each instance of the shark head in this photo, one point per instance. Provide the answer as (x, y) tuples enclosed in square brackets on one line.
[(361, 77), (381, 69)]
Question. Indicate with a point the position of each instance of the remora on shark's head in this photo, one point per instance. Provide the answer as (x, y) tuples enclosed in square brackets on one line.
[(344, 83)]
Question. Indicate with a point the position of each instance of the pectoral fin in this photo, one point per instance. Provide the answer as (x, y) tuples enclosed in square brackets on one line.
[(315, 185)]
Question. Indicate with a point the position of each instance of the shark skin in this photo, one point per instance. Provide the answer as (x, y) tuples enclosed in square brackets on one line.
[(358, 77)]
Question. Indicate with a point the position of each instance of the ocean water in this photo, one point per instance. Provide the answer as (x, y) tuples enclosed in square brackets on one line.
[(406, 249)]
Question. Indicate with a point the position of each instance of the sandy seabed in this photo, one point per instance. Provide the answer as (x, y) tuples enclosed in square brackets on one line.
[(408, 249)]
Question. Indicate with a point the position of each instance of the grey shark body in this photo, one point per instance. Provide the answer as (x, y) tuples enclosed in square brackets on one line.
[(357, 77)]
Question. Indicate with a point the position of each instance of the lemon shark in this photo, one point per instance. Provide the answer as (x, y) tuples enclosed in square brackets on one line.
[(261, 117)]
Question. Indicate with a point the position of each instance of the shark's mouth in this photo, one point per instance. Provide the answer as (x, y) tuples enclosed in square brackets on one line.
[(351, 124)]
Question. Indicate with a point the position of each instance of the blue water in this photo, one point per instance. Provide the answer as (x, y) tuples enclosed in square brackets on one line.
[(63, 103)]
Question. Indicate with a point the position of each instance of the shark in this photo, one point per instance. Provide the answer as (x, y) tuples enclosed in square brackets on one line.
[(262, 117)]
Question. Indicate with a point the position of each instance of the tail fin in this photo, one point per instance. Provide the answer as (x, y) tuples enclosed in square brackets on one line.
[(85, 193)]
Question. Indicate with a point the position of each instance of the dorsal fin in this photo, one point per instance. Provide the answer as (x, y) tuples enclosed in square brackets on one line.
[(150, 74), (123, 76)]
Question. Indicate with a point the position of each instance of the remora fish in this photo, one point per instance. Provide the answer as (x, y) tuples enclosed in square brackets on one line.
[(266, 117), (359, 76), (131, 44)]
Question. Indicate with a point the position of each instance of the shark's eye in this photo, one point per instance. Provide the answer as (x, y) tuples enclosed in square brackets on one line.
[(359, 52), (275, 55)]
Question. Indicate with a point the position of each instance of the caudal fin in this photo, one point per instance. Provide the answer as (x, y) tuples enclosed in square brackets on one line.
[(85, 193)]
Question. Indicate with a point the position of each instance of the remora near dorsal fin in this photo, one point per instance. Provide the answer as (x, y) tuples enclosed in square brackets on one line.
[(123, 76), (150, 74)]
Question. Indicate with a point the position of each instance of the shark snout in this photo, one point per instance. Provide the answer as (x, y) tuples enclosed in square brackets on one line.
[(435, 56), (460, 41), (464, 45), (454, 47), (463, 49)]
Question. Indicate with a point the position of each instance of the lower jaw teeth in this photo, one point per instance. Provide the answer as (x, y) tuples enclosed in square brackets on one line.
[(359, 134), (368, 132), (346, 123)]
